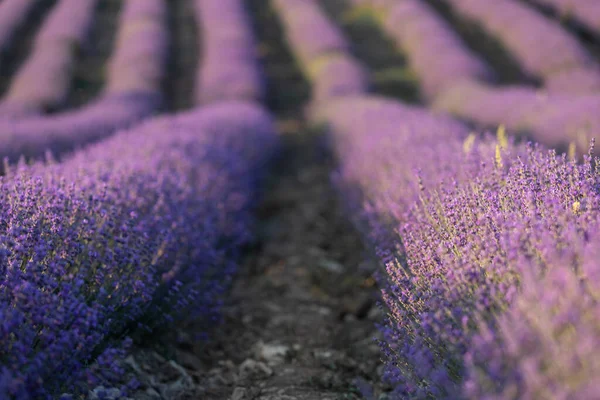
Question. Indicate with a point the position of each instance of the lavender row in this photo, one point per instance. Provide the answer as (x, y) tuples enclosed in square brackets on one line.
[(490, 252), (229, 68), (132, 91), (542, 47), (44, 80), (13, 13), (587, 12), (138, 63), (555, 120), (128, 235), (435, 52), (321, 50)]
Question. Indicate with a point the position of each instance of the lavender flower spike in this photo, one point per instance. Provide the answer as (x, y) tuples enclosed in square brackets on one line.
[(229, 68), (44, 80), (128, 235)]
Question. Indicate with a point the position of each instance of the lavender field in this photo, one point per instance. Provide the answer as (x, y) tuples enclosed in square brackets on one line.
[(299, 199)]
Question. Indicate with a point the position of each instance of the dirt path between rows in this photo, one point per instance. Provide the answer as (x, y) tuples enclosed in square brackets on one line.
[(300, 321)]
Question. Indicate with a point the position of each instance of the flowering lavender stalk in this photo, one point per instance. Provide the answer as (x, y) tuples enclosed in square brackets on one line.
[(12, 14), (555, 120), (435, 52), (475, 234), (543, 48), (34, 136), (587, 12), (229, 67), (134, 232), (44, 80), (138, 63), (321, 50)]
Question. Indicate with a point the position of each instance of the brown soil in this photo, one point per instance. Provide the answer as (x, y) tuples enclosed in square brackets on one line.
[(300, 321), (89, 74)]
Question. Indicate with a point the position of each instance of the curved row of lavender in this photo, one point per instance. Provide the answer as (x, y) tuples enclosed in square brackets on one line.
[(44, 80), (553, 119), (132, 90), (321, 50), (586, 12), (13, 13), (138, 63), (542, 47), (229, 68), (128, 235), (490, 252), (435, 52)]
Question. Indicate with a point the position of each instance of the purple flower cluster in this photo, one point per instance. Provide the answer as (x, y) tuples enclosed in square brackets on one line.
[(13, 13), (553, 119), (34, 136), (543, 48), (138, 63), (229, 67), (321, 50), (586, 12), (131, 233), (44, 80), (435, 52), (132, 90), (490, 249)]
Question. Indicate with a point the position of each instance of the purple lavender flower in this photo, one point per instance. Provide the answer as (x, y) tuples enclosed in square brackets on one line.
[(553, 119), (229, 67), (13, 13), (542, 47), (489, 250), (321, 50), (131, 233)]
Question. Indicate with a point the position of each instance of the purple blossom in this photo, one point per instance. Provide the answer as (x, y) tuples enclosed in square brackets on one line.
[(489, 250), (138, 230), (138, 63), (229, 68), (13, 13), (542, 47), (435, 52), (43, 81), (586, 12), (553, 119), (321, 50)]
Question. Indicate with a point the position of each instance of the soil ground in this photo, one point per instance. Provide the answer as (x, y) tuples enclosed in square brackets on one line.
[(300, 321)]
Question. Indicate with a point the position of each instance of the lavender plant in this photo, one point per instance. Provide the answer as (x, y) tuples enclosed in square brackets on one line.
[(229, 67), (128, 235), (13, 13), (44, 80), (321, 50), (587, 12), (435, 52), (489, 250), (553, 119), (138, 62), (543, 48)]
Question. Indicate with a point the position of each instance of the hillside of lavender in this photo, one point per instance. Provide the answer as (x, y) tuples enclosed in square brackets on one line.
[(299, 199)]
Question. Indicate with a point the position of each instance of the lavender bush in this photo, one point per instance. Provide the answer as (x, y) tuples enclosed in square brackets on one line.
[(13, 13), (490, 253), (435, 52), (132, 233), (44, 80), (138, 63), (34, 136), (587, 12), (229, 68), (321, 50), (555, 120), (543, 48)]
